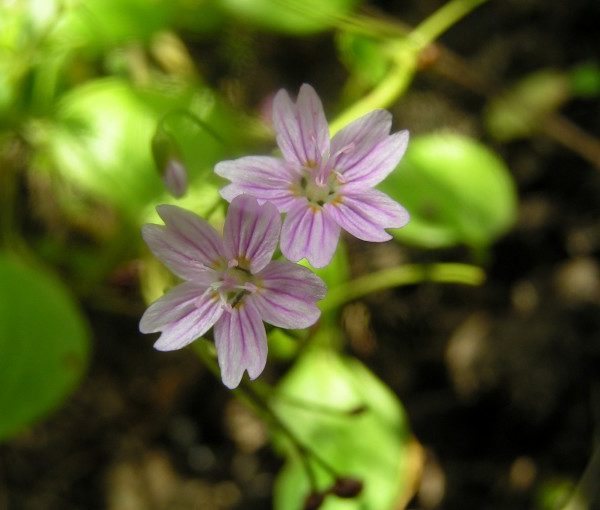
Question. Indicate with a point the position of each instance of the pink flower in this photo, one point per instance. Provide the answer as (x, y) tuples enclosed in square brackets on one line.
[(323, 185), (231, 284)]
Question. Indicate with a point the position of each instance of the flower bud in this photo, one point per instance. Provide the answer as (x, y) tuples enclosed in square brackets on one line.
[(314, 500), (346, 487), (168, 161), (175, 178)]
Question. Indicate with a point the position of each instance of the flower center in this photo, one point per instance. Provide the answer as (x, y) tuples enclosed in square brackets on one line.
[(235, 284), (318, 191)]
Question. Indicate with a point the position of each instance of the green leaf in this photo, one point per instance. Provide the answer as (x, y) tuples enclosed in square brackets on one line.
[(585, 80), (363, 56), (98, 25), (181, 135), (290, 16), (456, 190), (519, 111), (44, 345), (353, 421), (101, 143)]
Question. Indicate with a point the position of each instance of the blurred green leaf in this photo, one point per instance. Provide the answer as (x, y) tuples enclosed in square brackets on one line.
[(338, 270), (553, 494), (282, 345), (97, 25), (44, 345), (102, 138), (355, 423), (456, 190), (183, 136), (290, 16), (585, 80), (518, 112), (363, 56)]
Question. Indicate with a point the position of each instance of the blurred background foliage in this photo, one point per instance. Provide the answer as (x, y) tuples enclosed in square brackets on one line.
[(98, 97)]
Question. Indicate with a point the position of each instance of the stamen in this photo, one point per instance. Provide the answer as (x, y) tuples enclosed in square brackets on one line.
[(321, 180), (232, 263), (345, 149), (250, 287), (339, 177)]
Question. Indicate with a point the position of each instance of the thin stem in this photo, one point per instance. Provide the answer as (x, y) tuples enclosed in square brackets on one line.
[(282, 426), (254, 399), (403, 275), (383, 95), (441, 20), (404, 52)]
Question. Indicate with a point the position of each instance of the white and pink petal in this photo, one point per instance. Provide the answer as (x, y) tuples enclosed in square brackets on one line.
[(263, 177), (287, 295), (251, 231), (309, 233), (301, 127), (187, 321), (171, 307), (187, 244), (241, 343), (354, 142), (375, 164), (365, 215)]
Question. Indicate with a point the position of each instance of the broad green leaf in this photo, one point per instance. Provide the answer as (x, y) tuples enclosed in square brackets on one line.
[(456, 190), (519, 111), (338, 408), (290, 16), (101, 143), (44, 345)]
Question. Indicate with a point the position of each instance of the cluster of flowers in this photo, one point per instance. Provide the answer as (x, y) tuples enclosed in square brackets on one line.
[(230, 282)]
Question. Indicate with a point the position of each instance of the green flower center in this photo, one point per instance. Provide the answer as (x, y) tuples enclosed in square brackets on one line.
[(317, 193), (236, 283)]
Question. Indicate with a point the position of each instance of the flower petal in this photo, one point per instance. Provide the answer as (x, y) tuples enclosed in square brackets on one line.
[(309, 233), (287, 295), (262, 177), (187, 244), (376, 163), (241, 343), (350, 145), (171, 307), (365, 215), (302, 131), (183, 315), (251, 231)]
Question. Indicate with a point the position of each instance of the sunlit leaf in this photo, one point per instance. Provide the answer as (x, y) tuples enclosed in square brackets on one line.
[(44, 345), (102, 144), (353, 421), (290, 16), (96, 25), (456, 190)]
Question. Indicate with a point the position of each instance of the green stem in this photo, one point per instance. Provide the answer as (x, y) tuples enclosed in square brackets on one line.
[(256, 401), (403, 275), (384, 94), (441, 20), (404, 52)]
